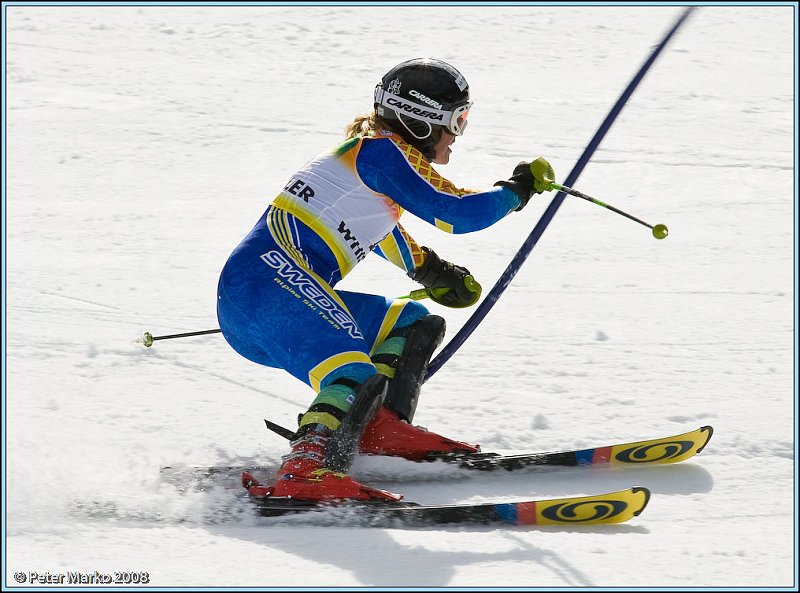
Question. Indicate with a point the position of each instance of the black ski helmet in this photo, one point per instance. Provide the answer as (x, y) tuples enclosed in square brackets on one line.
[(419, 98)]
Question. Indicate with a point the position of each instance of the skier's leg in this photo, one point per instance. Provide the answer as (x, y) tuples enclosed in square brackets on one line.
[(404, 357), (404, 337), (294, 320)]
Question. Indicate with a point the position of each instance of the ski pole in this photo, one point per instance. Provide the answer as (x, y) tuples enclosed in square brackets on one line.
[(660, 231), (423, 293), (438, 293), (149, 338), (416, 295), (539, 169)]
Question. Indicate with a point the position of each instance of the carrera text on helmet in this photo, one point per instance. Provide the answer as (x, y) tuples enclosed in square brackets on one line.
[(424, 99), (411, 108)]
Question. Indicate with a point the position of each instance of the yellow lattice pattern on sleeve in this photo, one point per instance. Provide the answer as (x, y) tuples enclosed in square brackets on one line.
[(424, 168), (416, 251)]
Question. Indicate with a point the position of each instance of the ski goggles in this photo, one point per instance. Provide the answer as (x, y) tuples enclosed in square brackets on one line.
[(454, 121), (458, 121)]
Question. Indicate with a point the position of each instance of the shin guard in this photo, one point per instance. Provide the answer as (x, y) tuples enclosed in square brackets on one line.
[(407, 369)]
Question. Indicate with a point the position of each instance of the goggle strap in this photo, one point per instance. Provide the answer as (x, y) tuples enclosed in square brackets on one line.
[(426, 113)]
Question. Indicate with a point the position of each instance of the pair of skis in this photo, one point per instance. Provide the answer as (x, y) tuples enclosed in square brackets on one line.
[(610, 508)]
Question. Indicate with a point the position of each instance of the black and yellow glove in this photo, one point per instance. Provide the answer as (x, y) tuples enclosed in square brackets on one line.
[(445, 283)]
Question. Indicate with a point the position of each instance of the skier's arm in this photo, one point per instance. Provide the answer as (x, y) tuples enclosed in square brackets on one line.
[(407, 178), (423, 265), (400, 248)]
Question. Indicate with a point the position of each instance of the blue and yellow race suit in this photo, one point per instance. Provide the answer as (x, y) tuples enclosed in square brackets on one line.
[(276, 302)]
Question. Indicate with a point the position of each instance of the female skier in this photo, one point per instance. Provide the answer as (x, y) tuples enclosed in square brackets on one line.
[(364, 355)]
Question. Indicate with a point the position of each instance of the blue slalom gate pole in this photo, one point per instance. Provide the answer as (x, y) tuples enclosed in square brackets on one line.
[(512, 269)]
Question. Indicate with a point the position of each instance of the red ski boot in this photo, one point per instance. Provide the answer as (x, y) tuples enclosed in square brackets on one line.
[(303, 475), (387, 434)]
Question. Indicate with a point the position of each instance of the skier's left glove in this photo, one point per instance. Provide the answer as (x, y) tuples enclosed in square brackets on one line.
[(530, 178), (447, 284)]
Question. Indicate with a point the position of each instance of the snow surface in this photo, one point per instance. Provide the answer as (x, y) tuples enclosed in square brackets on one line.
[(144, 141)]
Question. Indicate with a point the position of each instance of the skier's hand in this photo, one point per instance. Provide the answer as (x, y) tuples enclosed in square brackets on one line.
[(530, 178), (447, 284)]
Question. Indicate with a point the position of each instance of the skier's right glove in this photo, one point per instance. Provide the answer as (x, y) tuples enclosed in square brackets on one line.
[(530, 178), (447, 284)]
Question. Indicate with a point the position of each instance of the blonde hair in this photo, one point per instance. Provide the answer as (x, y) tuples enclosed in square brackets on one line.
[(363, 124)]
